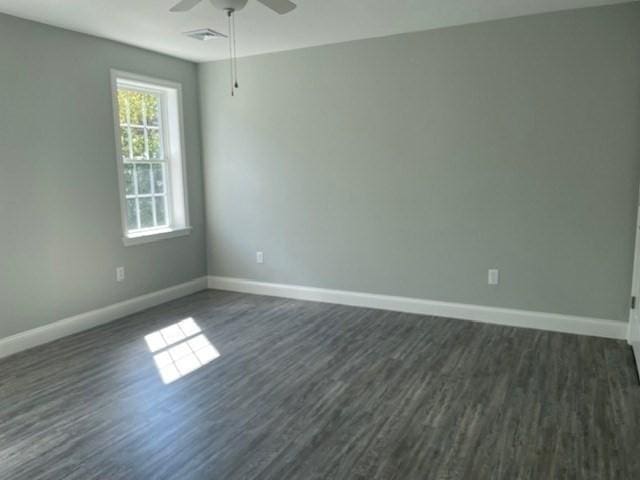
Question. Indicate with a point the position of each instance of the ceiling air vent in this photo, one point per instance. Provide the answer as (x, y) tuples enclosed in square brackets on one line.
[(205, 34)]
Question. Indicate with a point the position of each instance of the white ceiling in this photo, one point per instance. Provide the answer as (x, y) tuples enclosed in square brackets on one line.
[(148, 23)]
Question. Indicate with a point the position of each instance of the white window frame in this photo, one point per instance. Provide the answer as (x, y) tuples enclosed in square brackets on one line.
[(173, 143)]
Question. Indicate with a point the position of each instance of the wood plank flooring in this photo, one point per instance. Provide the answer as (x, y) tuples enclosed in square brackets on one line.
[(304, 390)]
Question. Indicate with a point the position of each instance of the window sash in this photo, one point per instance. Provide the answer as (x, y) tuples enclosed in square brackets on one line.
[(156, 225), (129, 126), (152, 196), (127, 158)]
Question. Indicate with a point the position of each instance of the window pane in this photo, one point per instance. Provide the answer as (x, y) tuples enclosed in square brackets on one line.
[(160, 211), (135, 107), (146, 213), (124, 142), (132, 215), (143, 172), (129, 187), (122, 106), (152, 104), (155, 144), (137, 142), (158, 178)]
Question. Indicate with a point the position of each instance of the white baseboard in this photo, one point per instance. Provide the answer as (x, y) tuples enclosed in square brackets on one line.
[(633, 338), (636, 353), (84, 321), (501, 316)]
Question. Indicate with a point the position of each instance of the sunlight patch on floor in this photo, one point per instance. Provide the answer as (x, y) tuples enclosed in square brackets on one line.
[(180, 349)]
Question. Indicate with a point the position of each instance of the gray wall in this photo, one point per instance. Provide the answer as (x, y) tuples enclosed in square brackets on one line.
[(60, 232), (410, 165)]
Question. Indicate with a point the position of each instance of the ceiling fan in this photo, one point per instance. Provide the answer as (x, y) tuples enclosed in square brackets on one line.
[(232, 6), (278, 6)]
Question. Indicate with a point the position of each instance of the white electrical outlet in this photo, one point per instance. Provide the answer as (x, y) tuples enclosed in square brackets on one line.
[(494, 277), (120, 274), (259, 257)]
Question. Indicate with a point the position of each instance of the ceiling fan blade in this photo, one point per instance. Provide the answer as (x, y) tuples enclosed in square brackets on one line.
[(184, 5), (279, 6)]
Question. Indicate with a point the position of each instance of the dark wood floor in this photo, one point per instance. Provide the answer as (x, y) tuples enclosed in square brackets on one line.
[(307, 391)]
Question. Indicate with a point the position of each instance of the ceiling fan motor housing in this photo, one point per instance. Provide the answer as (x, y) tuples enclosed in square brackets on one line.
[(234, 5)]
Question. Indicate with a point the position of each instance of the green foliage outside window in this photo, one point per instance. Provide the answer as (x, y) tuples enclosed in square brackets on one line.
[(139, 115), (142, 154)]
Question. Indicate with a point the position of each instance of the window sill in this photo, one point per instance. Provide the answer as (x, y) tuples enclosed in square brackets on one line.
[(155, 236)]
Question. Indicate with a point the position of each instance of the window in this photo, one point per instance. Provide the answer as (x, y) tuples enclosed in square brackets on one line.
[(150, 158)]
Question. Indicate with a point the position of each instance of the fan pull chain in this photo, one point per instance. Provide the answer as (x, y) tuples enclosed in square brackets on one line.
[(235, 53), (233, 57), (231, 62)]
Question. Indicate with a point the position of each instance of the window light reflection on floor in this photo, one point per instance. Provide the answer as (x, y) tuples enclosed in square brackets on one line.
[(179, 349)]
